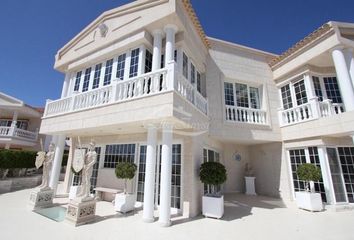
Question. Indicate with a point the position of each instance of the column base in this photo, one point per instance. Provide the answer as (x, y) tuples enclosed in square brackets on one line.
[(81, 212), (165, 224), (41, 198), (149, 220)]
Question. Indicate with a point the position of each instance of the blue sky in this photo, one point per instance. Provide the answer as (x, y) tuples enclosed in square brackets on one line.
[(33, 30)]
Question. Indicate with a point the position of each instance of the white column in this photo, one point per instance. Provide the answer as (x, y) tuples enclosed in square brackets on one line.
[(150, 165), (127, 64), (156, 54), (58, 157), (170, 31), (326, 174), (14, 119), (141, 64), (66, 83), (166, 171), (344, 80), (349, 58)]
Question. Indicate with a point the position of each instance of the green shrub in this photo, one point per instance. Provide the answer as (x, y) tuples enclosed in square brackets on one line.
[(308, 172), (17, 159), (213, 174), (125, 170)]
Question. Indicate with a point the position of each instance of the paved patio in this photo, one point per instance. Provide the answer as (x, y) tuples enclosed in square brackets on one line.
[(245, 218)]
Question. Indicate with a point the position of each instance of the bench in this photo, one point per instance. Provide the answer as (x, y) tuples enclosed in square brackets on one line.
[(106, 194)]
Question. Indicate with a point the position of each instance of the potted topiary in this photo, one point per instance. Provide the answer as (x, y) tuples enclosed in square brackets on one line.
[(213, 174), (308, 199), (124, 202)]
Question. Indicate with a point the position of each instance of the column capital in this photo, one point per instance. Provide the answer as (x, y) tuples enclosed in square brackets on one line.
[(157, 32), (339, 47), (169, 27)]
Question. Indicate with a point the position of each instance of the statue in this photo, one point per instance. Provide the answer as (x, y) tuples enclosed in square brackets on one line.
[(248, 170), (46, 160), (90, 160)]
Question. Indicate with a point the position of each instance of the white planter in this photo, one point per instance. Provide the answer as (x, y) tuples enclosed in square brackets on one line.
[(309, 201), (213, 206), (124, 202), (250, 187), (74, 191)]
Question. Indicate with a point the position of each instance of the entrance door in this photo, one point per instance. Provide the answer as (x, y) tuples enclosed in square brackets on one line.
[(175, 178)]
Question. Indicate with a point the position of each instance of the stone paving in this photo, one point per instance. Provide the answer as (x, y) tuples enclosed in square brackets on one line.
[(245, 218)]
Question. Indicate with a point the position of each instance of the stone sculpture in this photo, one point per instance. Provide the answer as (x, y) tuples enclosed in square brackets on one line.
[(90, 160), (47, 161)]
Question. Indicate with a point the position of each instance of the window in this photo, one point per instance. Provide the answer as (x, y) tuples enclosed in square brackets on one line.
[(108, 72), (332, 89), (21, 124), (185, 66), (317, 88), (192, 74), (77, 81), (286, 97), (148, 61), (229, 94), (120, 66), (198, 82), (241, 95), (86, 79), (96, 76), (93, 179), (162, 61), (141, 174), (119, 153), (300, 92), (134, 63)]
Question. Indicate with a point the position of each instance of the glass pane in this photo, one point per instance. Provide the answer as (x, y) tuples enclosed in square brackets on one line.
[(96, 77), (332, 89), (346, 156), (300, 92), (120, 66), (317, 87), (134, 63), (254, 98), (286, 97), (229, 94), (108, 72), (241, 95)]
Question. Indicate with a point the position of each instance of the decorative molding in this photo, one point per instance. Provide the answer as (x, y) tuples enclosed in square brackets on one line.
[(126, 23), (315, 35)]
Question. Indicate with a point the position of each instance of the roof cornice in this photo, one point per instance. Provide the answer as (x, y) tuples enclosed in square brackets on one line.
[(300, 45), (189, 8)]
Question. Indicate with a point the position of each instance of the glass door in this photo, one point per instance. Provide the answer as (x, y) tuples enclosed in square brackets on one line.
[(346, 157), (336, 173), (175, 178)]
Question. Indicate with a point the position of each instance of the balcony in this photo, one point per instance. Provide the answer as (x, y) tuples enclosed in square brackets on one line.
[(154, 83), (14, 132), (245, 115), (312, 110)]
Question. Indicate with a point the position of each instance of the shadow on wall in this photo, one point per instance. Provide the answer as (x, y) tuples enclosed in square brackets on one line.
[(266, 160)]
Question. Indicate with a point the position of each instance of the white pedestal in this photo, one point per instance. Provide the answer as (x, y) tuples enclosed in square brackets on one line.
[(74, 190), (81, 211), (250, 187), (124, 202), (309, 201), (213, 206), (41, 198)]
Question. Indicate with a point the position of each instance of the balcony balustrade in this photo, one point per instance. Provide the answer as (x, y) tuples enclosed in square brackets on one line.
[(18, 133), (149, 84), (245, 115)]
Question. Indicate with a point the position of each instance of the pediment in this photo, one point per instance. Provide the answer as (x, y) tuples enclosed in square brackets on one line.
[(112, 26)]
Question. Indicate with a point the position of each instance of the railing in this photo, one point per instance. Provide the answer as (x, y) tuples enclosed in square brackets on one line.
[(314, 109), (245, 115), (17, 132), (137, 87)]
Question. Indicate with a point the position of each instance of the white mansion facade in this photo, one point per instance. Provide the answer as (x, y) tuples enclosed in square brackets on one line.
[(149, 87)]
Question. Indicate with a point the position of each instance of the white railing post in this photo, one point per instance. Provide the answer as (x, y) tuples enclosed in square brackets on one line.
[(114, 90), (46, 107), (315, 107), (72, 103), (280, 116), (11, 131)]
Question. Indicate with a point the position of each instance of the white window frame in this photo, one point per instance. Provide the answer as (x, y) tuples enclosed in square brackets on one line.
[(260, 94)]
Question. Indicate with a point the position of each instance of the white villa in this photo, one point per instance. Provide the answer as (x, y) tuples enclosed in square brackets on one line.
[(145, 83), (19, 124)]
